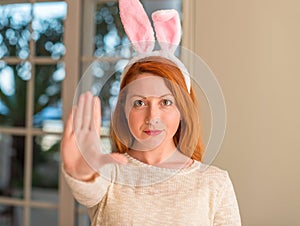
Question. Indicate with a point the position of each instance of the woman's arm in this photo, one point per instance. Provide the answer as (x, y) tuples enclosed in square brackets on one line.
[(81, 154), (87, 193)]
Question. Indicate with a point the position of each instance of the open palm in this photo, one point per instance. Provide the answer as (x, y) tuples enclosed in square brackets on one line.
[(80, 148)]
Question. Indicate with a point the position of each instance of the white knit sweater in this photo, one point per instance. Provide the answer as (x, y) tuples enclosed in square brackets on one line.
[(190, 196)]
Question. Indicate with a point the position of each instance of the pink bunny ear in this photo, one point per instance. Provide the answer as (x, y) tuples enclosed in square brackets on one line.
[(137, 25), (168, 29)]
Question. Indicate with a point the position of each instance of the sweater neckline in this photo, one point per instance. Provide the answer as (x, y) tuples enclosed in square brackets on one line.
[(195, 165)]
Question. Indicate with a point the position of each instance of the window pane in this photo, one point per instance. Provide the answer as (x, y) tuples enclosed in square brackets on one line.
[(11, 215), (13, 93), (48, 28), (45, 168), (102, 77), (47, 96), (109, 30), (11, 165), (44, 217), (14, 30)]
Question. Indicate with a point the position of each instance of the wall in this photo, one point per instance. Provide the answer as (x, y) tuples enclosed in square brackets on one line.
[(253, 48)]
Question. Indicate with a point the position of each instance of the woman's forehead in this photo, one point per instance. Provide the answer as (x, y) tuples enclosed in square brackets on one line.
[(147, 84)]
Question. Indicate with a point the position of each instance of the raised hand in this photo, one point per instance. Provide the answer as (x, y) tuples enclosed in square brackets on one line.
[(80, 147)]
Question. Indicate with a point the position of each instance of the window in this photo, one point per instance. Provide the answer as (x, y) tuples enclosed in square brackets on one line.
[(31, 73)]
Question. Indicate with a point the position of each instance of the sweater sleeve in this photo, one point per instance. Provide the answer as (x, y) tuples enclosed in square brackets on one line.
[(88, 194), (227, 212)]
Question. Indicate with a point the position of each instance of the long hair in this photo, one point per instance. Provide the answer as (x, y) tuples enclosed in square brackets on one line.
[(188, 135)]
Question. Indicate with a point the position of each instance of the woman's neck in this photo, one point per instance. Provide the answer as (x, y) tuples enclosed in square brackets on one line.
[(168, 157), (153, 156)]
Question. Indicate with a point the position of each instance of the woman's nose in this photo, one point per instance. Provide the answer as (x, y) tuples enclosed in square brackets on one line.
[(153, 113)]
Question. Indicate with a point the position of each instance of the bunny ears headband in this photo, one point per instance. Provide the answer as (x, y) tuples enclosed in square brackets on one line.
[(140, 32)]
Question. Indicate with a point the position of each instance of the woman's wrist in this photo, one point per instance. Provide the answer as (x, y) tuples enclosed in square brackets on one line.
[(85, 177)]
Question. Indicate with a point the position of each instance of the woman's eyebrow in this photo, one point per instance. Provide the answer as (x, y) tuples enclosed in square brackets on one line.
[(144, 97), (168, 94), (136, 95)]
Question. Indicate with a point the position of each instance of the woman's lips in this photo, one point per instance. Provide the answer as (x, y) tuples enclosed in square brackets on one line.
[(153, 132)]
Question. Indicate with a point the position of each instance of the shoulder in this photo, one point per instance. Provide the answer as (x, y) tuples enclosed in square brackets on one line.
[(215, 172), (211, 171), (213, 176)]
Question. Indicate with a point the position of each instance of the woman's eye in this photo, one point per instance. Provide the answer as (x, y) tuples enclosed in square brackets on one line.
[(138, 103), (167, 102)]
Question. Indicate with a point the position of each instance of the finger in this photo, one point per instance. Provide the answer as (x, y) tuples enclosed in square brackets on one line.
[(87, 111), (69, 124), (96, 122), (78, 113), (67, 136)]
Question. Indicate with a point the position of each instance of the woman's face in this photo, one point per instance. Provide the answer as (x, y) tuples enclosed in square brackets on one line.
[(152, 115)]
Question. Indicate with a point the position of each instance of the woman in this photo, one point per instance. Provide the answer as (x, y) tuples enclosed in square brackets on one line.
[(155, 175)]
